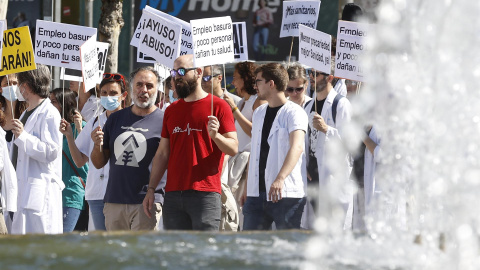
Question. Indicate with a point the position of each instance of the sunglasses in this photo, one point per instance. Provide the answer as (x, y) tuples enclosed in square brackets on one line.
[(291, 89), (207, 78), (116, 77), (181, 71), (317, 73)]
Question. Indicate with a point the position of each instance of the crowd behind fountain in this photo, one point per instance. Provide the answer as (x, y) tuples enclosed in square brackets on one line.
[(136, 154)]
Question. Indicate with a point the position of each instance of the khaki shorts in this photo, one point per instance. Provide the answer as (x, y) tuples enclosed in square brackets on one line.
[(130, 217)]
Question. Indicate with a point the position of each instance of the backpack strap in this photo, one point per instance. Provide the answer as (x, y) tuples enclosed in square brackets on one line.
[(308, 102), (334, 107)]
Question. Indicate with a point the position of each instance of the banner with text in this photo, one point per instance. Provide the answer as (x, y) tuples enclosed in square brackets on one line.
[(102, 52), (186, 46), (160, 39), (296, 13), (17, 52), (314, 49), (58, 44), (240, 46), (89, 60), (212, 41), (350, 47)]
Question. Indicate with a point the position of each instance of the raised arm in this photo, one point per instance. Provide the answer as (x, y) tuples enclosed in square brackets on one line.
[(227, 142), (99, 158)]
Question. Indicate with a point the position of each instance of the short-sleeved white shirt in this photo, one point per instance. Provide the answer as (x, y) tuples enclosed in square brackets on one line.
[(97, 179), (91, 108)]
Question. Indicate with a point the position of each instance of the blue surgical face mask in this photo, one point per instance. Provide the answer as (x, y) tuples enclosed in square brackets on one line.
[(110, 103), (9, 92), (170, 95)]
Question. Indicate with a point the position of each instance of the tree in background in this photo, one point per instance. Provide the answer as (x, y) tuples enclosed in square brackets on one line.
[(109, 27)]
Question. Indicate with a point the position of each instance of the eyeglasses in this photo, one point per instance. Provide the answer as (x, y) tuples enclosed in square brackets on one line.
[(312, 73), (207, 78), (298, 89), (116, 77), (180, 71), (256, 82)]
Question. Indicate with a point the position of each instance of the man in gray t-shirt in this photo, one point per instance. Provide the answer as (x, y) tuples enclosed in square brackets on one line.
[(129, 140)]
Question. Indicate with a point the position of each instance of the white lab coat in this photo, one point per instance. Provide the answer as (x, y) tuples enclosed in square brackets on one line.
[(39, 173), (371, 161), (9, 180), (289, 118), (335, 131)]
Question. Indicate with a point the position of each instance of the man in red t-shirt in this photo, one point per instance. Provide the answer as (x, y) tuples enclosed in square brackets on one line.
[(193, 145)]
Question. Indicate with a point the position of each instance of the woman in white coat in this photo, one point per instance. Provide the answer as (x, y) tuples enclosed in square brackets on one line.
[(37, 155)]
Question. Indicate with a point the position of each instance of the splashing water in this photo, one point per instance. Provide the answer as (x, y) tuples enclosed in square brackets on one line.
[(422, 95)]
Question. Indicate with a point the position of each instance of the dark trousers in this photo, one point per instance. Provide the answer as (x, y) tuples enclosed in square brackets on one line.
[(259, 214), (192, 210)]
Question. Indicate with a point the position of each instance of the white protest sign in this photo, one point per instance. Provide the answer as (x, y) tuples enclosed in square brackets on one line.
[(350, 47), (58, 44), (240, 45), (314, 49), (212, 41), (89, 60), (102, 52), (160, 39), (186, 46), (296, 13)]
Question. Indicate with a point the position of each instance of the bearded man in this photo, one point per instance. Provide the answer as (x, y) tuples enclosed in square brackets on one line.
[(194, 142), (129, 140)]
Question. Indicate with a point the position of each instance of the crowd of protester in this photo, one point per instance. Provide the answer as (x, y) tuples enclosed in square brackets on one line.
[(140, 153)]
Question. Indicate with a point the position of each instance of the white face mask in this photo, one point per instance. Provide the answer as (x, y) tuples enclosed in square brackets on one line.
[(10, 92), (19, 94)]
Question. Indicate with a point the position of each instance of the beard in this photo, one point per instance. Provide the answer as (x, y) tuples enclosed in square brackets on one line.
[(147, 104), (185, 87), (322, 84)]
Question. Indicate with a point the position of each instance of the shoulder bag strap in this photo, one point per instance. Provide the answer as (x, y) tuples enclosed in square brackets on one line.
[(74, 168)]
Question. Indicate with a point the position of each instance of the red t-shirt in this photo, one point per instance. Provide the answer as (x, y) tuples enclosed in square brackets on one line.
[(195, 161)]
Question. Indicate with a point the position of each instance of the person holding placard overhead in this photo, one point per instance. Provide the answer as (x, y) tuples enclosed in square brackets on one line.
[(193, 145), (128, 142), (113, 93), (329, 112), (37, 153)]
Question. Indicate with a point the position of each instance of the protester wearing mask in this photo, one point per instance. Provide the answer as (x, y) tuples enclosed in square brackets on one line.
[(113, 97), (9, 99)]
